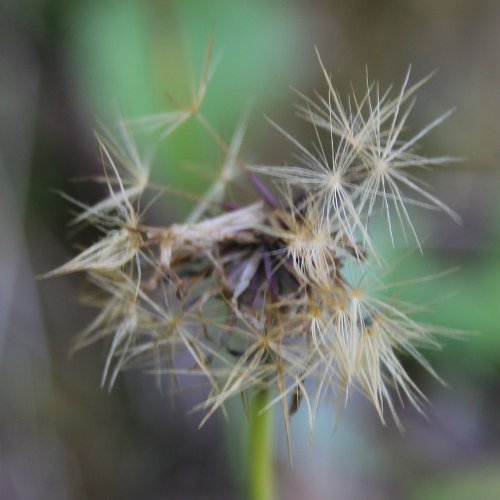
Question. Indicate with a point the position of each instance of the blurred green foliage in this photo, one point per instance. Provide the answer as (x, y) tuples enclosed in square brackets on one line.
[(135, 58), (482, 482)]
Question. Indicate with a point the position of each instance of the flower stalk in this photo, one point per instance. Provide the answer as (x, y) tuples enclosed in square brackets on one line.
[(260, 448)]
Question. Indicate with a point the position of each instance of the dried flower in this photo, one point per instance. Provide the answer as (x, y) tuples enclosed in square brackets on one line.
[(261, 296)]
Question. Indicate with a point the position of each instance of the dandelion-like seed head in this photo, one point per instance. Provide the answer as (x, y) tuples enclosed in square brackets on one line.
[(261, 296)]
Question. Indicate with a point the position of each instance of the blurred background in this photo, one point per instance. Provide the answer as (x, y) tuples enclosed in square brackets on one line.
[(67, 65)]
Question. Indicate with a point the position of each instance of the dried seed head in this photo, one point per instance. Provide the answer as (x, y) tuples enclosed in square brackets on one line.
[(259, 296)]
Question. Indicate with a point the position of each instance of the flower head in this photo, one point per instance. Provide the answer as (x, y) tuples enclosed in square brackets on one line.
[(259, 296)]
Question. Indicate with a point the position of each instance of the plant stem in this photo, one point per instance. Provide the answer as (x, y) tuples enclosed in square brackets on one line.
[(261, 485)]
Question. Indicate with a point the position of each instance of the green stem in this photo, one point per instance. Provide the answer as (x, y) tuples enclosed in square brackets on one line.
[(261, 485)]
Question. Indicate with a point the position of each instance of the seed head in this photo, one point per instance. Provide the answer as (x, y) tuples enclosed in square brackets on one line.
[(263, 295)]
